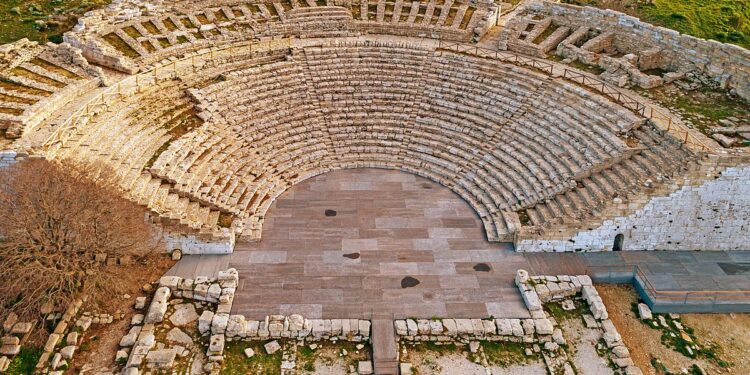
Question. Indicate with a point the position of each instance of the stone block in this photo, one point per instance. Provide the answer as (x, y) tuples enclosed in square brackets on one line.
[(204, 321)]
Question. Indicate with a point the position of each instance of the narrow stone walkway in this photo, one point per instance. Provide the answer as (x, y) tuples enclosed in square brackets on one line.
[(384, 347)]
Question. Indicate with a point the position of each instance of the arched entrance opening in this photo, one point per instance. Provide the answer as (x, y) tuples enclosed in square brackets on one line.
[(619, 239)]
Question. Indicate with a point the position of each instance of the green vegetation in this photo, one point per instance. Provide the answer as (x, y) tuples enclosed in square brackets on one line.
[(505, 354), (523, 217), (431, 346), (236, 363), (704, 108), (727, 21), (25, 362), (556, 311), (306, 357), (714, 105), (41, 20), (682, 339)]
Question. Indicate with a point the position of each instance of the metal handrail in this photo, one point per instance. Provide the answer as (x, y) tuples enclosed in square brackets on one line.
[(674, 295), (646, 111)]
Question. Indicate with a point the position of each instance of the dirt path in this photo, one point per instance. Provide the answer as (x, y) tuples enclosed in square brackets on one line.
[(730, 331)]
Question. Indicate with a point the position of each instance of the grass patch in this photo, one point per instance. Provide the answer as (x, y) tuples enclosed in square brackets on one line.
[(506, 354), (236, 363), (16, 99), (727, 21), (25, 362), (546, 33), (523, 217), (11, 111), (703, 108), (431, 346), (682, 339), (115, 41), (556, 311), (593, 69), (306, 357), (54, 68), (714, 105), (42, 20)]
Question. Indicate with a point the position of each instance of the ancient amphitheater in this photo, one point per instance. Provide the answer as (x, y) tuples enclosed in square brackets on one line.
[(209, 111)]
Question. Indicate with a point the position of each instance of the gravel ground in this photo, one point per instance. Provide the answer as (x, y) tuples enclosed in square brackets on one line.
[(583, 343), (457, 363), (329, 367), (730, 331)]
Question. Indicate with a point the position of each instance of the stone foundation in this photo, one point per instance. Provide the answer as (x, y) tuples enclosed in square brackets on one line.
[(727, 64), (711, 215)]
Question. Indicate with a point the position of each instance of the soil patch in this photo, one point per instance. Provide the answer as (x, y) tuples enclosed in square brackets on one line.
[(730, 332)]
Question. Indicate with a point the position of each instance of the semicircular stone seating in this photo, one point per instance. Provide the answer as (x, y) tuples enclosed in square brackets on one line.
[(506, 139)]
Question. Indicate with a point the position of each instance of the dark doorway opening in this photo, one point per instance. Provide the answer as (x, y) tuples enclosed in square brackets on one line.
[(619, 239)]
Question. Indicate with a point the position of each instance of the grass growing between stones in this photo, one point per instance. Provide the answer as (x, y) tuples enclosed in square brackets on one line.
[(430, 346), (236, 363), (329, 352), (25, 362), (727, 21), (41, 20), (704, 108), (505, 354), (555, 310)]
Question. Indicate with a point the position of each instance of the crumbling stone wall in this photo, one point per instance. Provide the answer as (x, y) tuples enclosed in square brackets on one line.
[(714, 215), (727, 64)]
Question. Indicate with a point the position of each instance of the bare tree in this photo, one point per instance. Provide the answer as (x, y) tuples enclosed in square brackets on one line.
[(66, 232)]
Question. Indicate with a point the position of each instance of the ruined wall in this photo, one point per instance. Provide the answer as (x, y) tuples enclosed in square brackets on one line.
[(727, 64), (204, 243), (714, 215)]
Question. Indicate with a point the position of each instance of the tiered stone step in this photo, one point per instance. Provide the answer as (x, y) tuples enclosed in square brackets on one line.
[(36, 83), (656, 163), (490, 131)]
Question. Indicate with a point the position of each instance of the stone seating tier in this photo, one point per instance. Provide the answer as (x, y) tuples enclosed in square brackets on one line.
[(392, 106)]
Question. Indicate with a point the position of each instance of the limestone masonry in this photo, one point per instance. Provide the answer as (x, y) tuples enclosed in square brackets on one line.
[(210, 110)]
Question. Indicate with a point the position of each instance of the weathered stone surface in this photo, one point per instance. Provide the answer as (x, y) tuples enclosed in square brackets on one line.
[(503, 327), (644, 312), (436, 327), (130, 338), (140, 303), (364, 367), (531, 299), (236, 326), (158, 306), (543, 326), (183, 315), (296, 322), (176, 335), (219, 323), (272, 347), (68, 351), (216, 344), (163, 358), (204, 321)]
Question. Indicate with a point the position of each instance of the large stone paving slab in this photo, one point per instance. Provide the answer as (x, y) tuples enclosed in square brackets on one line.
[(340, 245)]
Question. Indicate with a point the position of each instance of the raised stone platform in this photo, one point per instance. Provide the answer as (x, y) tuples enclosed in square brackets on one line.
[(388, 226)]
